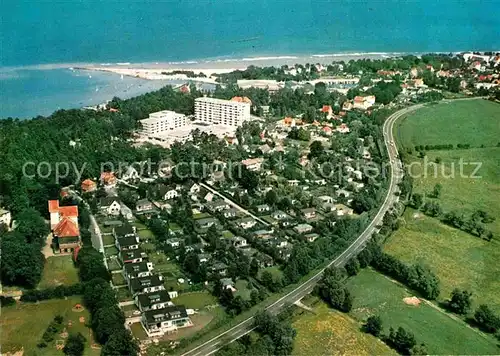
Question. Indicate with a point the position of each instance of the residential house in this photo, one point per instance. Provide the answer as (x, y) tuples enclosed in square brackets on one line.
[(227, 283), (208, 197), (364, 102), (229, 213), (264, 260), (265, 149), (343, 128), (169, 193), (193, 188), (124, 230), (279, 215), (108, 179), (343, 210), (174, 242), (137, 270), (5, 217), (110, 205), (263, 208), (203, 257), (278, 242), (217, 206), (238, 241), (130, 174), (88, 186), (309, 213), (347, 106), (219, 268), (325, 199), (311, 237), (205, 223), (64, 226), (303, 228), (246, 223), (158, 322), (343, 193), (143, 205), (253, 164), (146, 284), (153, 301), (132, 256), (127, 243), (263, 234)]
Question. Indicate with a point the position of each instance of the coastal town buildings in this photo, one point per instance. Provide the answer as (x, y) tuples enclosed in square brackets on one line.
[(5, 217), (162, 121), (64, 226), (218, 111)]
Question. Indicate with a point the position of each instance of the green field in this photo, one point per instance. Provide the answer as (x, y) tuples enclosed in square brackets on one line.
[(441, 333), (473, 122), (459, 259), (195, 300), (111, 251), (23, 325), (108, 240), (58, 270), (145, 234), (118, 279), (329, 332)]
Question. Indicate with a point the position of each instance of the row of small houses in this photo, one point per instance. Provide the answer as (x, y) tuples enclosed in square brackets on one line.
[(158, 314)]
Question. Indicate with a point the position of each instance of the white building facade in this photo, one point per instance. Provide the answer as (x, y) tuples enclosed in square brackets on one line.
[(223, 112), (163, 121)]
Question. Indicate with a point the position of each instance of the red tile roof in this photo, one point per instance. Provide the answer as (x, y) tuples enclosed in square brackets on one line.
[(53, 206), (68, 211), (326, 108), (88, 184), (66, 228), (359, 99)]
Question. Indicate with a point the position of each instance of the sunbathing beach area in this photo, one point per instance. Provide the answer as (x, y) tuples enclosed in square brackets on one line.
[(153, 71)]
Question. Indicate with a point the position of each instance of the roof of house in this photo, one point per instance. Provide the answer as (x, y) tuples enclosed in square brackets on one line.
[(326, 108), (53, 206), (308, 210), (88, 182), (107, 201), (127, 241), (124, 230), (70, 211), (136, 267), (132, 254), (148, 299), (140, 283), (156, 316), (143, 202), (66, 228)]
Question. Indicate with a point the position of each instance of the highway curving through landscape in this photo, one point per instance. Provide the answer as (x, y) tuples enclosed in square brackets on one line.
[(213, 345)]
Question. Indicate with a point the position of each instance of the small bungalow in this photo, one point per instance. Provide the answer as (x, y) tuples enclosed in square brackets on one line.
[(88, 185), (143, 205), (263, 208), (153, 301), (147, 284), (309, 213), (110, 205), (158, 322), (246, 223), (303, 228)]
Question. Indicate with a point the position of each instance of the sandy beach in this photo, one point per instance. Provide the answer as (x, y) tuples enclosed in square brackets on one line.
[(153, 71)]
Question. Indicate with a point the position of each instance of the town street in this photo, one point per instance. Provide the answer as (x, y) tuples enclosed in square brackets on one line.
[(305, 288)]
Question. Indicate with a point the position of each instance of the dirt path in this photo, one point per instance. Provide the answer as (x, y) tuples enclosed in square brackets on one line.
[(47, 249)]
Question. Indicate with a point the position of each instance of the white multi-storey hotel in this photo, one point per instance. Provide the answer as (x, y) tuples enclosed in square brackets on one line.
[(222, 112), (162, 121)]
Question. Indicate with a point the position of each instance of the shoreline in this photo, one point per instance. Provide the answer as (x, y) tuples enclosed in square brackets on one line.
[(227, 63)]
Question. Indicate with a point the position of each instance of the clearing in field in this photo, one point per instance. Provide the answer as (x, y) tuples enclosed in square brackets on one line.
[(329, 332), (23, 325), (58, 270), (459, 259), (376, 294)]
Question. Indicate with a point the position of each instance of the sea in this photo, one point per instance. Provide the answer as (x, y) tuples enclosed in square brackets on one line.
[(42, 40)]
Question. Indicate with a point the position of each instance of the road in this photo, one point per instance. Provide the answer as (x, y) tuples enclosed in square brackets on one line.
[(305, 288), (233, 204)]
